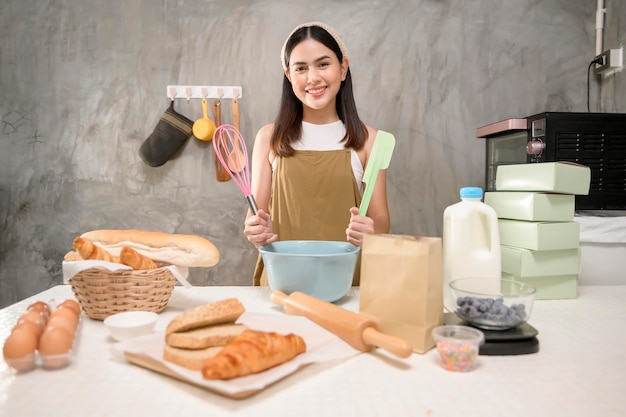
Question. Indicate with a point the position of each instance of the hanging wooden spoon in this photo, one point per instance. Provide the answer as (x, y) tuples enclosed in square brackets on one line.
[(220, 173), (237, 160)]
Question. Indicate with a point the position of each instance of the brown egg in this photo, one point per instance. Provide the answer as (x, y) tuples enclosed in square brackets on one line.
[(54, 347), (31, 327), (73, 304), (65, 312), (35, 317), (19, 349), (40, 306), (64, 322)]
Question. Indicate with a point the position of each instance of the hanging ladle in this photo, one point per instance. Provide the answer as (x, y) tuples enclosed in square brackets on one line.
[(203, 129)]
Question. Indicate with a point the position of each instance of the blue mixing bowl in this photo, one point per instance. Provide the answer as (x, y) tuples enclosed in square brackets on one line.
[(322, 269)]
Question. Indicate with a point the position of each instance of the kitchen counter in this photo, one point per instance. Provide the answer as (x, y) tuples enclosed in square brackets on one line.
[(580, 370)]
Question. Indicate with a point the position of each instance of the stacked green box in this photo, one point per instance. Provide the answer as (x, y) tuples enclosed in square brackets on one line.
[(539, 238)]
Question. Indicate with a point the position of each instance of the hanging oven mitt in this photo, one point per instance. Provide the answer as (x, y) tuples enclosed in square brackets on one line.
[(169, 135)]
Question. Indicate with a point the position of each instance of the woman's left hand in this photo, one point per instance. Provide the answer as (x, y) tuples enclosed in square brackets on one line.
[(358, 227)]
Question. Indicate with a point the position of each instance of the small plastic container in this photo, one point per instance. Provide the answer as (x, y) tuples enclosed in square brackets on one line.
[(458, 347), (24, 364), (51, 361)]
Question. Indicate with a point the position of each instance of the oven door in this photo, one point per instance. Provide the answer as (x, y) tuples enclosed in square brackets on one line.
[(506, 145), (504, 150)]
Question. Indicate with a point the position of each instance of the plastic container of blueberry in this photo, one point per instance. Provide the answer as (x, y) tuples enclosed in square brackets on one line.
[(479, 303)]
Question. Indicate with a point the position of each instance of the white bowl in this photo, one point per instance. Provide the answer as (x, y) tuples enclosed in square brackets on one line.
[(130, 324)]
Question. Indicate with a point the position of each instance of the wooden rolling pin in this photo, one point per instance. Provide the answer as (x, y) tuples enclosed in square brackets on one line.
[(357, 330)]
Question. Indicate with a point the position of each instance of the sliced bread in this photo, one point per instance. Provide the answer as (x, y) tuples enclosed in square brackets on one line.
[(189, 358), (204, 337), (223, 311)]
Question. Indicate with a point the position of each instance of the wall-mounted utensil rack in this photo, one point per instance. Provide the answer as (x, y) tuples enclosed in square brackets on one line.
[(203, 91)]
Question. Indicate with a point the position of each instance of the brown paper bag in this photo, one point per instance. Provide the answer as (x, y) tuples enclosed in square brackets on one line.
[(402, 286)]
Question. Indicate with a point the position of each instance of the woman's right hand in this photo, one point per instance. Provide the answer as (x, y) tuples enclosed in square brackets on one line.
[(258, 229)]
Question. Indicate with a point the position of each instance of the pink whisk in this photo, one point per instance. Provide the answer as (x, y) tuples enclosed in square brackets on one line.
[(230, 149)]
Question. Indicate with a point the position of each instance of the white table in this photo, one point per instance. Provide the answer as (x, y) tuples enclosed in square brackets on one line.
[(580, 370)]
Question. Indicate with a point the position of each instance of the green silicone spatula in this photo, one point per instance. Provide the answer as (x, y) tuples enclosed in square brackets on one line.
[(379, 159)]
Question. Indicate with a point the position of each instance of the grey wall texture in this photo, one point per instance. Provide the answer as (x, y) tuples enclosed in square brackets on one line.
[(83, 84)]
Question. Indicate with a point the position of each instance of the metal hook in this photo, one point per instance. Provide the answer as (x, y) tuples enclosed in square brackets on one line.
[(172, 93), (188, 92)]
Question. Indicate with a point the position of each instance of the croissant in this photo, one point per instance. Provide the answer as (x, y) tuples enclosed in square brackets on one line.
[(132, 258), (72, 256), (251, 352), (88, 250)]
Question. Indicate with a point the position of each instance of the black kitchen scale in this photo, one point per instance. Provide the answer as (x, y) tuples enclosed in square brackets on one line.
[(519, 340)]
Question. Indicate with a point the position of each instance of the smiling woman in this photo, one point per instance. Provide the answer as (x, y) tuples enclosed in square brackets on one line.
[(307, 166)]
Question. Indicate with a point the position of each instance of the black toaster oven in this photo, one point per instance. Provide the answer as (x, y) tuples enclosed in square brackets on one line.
[(596, 140)]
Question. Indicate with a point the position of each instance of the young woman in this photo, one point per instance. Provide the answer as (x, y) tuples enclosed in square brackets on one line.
[(307, 166)]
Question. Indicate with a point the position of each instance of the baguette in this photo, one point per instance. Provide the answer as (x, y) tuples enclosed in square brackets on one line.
[(252, 352), (192, 359), (174, 249), (88, 250), (132, 258), (203, 337), (219, 312)]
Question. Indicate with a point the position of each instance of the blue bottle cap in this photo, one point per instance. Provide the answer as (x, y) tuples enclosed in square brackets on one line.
[(471, 192)]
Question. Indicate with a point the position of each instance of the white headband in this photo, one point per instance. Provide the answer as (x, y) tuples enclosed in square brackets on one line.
[(336, 36)]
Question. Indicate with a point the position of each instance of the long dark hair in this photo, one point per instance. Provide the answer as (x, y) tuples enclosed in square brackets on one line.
[(288, 123)]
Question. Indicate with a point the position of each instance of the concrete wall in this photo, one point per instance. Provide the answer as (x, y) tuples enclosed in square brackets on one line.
[(83, 83)]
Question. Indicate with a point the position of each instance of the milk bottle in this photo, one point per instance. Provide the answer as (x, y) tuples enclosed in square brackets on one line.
[(471, 242)]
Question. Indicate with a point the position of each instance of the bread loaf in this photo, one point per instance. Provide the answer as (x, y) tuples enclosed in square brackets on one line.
[(174, 249), (199, 333), (218, 335), (223, 311), (252, 352), (192, 359)]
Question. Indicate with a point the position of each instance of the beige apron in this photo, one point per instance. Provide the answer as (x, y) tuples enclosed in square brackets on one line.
[(312, 193)]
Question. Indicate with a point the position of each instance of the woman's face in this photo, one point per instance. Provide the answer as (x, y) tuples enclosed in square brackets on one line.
[(315, 74)]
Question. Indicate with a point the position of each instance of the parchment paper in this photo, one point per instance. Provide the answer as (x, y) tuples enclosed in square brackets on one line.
[(322, 346)]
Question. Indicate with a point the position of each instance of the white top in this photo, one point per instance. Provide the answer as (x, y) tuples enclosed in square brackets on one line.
[(327, 138), (578, 371), (602, 227)]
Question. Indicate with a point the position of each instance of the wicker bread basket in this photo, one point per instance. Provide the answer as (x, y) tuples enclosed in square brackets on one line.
[(101, 292)]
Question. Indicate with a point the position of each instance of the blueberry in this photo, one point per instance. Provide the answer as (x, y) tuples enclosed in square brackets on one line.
[(490, 309), (491, 317), (520, 309)]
